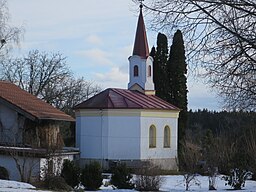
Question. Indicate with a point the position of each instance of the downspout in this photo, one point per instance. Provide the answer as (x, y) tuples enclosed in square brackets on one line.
[(102, 152)]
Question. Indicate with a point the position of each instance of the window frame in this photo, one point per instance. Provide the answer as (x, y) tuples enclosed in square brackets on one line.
[(136, 71), (149, 71), (152, 136), (167, 137)]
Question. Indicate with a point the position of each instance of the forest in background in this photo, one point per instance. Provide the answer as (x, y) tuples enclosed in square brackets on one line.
[(220, 139), (201, 121)]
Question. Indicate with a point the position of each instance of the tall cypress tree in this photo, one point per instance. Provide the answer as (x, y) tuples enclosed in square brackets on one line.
[(160, 73), (169, 76), (177, 70)]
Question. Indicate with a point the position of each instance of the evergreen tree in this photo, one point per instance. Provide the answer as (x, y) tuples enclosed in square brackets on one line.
[(71, 173), (177, 70), (169, 76), (160, 76), (91, 177), (121, 177), (153, 54)]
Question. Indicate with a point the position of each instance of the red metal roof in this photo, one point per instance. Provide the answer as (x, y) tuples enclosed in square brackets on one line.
[(141, 44), (24, 101), (125, 99)]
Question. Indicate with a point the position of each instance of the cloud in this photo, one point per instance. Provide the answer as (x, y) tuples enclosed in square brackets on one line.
[(96, 56), (94, 40), (67, 19), (114, 78), (126, 51), (96, 37)]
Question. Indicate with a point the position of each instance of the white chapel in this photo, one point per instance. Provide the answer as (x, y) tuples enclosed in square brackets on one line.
[(129, 125)]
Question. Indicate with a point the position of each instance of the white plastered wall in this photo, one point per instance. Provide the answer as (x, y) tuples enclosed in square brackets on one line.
[(145, 81), (106, 134), (30, 163), (159, 152), (124, 134), (9, 129), (89, 136), (124, 137)]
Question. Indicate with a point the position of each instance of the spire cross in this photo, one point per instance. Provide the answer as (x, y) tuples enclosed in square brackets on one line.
[(141, 5)]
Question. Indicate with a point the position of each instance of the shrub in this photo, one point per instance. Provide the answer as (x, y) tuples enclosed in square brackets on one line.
[(212, 176), (190, 179), (121, 177), (237, 178), (148, 179), (57, 183), (71, 173), (4, 173), (91, 177)]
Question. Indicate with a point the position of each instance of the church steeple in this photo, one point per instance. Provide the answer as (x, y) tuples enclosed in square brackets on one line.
[(141, 64), (141, 44)]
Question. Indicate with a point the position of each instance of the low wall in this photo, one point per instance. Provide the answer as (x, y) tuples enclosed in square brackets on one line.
[(164, 164)]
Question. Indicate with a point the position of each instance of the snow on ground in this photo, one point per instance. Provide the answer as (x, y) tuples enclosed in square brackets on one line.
[(14, 186), (176, 183), (173, 183), (6, 185)]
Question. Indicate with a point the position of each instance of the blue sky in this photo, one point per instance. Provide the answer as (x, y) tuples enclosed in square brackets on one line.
[(96, 37)]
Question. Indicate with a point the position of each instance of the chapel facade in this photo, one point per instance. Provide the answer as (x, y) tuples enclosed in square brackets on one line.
[(129, 125)]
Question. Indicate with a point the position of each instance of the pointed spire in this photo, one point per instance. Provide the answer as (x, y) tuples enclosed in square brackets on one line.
[(141, 44)]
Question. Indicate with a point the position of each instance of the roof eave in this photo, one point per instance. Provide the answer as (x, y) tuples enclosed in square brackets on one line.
[(31, 116), (125, 108), (57, 119)]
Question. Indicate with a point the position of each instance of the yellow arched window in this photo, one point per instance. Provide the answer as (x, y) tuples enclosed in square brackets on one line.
[(167, 137), (152, 136), (136, 71)]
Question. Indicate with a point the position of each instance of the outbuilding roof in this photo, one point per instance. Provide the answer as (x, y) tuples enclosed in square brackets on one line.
[(28, 104), (113, 98)]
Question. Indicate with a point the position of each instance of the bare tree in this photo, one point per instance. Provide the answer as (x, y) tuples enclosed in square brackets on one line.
[(25, 163), (8, 34), (69, 92), (250, 147), (148, 178), (220, 36), (48, 77), (189, 157)]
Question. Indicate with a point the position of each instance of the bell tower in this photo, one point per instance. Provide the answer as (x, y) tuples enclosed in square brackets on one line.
[(140, 63)]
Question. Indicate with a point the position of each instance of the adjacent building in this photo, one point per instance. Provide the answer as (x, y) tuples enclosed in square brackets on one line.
[(29, 132)]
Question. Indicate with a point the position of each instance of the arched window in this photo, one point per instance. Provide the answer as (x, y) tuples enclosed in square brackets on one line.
[(136, 71), (167, 136), (152, 136), (149, 71)]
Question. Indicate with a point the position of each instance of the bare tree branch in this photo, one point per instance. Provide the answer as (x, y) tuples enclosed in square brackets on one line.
[(220, 37), (48, 77), (9, 35)]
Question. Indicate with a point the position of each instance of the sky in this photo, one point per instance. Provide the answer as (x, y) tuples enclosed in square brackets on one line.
[(97, 38)]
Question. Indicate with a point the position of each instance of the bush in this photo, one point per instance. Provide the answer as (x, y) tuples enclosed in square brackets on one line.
[(71, 173), (148, 179), (212, 176), (121, 177), (237, 178), (4, 173), (57, 183), (91, 177)]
